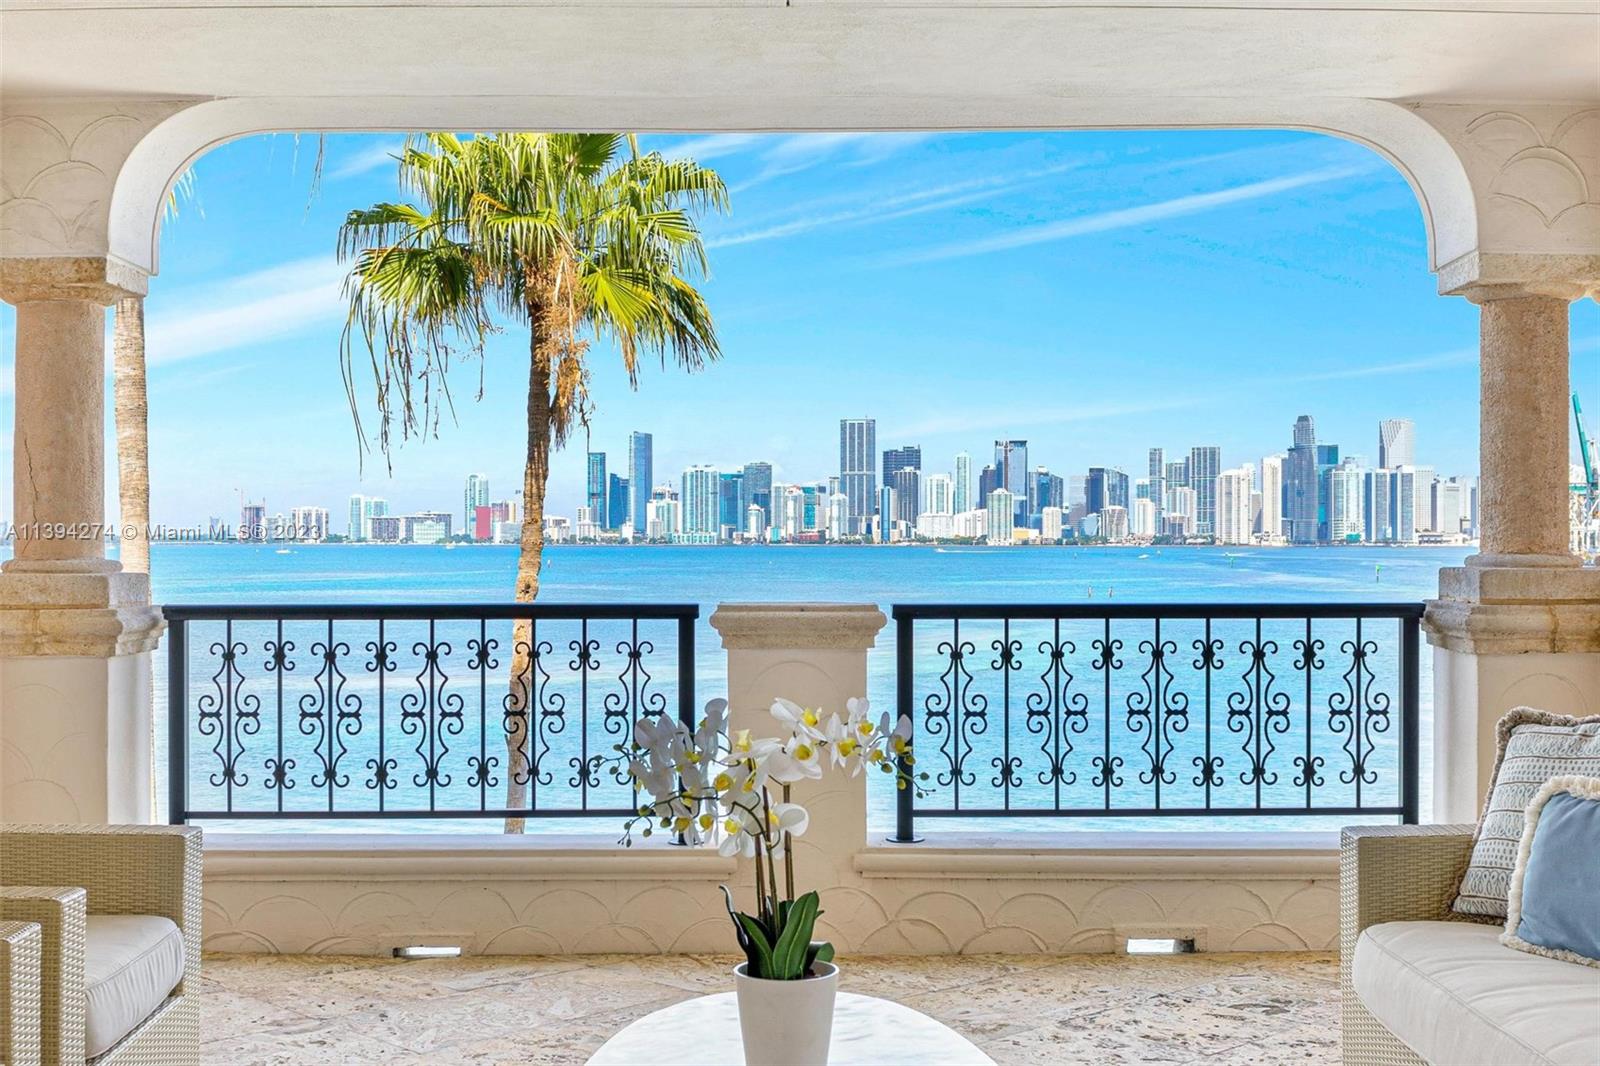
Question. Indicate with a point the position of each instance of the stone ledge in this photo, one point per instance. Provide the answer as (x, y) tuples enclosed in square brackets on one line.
[(443, 857), (811, 626), (94, 615), (1108, 857)]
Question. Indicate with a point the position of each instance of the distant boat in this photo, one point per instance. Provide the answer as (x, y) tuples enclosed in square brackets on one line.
[(1144, 555), (283, 551)]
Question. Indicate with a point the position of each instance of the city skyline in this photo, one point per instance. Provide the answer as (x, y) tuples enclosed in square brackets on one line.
[(1306, 494), (857, 272)]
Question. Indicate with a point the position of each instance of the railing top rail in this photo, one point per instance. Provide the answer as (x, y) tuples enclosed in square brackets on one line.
[(423, 611), (1157, 610)]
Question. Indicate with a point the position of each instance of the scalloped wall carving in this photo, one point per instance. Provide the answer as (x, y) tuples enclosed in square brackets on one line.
[(58, 164), (911, 916), (1535, 171)]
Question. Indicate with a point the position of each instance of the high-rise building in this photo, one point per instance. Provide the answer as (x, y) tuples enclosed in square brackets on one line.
[(730, 492), (1271, 525), (1346, 504), (1178, 514), (1424, 479), (963, 485), (883, 518), (1450, 501), (1114, 524), (1044, 490), (1300, 481), (907, 494), (988, 481), (1205, 463), (1234, 519), (894, 459), (858, 447), (758, 489), (1002, 517), (1157, 470), (1327, 459), (1106, 487), (596, 494), (838, 516), (702, 505), (363, 509), (1142, 518), (641, 478), (475, 495), (1012, 474), (1050, 525), (1177, 474), (940, 494), (309, 524), (1389, 506), (616, 501), (1397, 443)]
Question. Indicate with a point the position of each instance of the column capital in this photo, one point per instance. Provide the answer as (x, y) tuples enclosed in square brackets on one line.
[(1485, 276), (97, 278), (820, 626)]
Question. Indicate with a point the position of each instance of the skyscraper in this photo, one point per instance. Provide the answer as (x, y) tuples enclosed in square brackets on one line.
[(1234, 519), (909, 455), (1107, 487), (731, 500), (1300, 480), (907, 494), (941, 494), (963, 485), (1272, 497), (1397, 443), (758, 490), (616, 501), (1157, 471), (1205, 463), (1327, 459), (641, 477), (1346, 507), (597, 489), (1002, 512), (475, 496), (363, 509), (1011, 473), (858, 447), (702, 505)]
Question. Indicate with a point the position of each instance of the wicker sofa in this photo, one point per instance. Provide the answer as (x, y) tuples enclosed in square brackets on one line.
[(1420, 985), (118, 983)]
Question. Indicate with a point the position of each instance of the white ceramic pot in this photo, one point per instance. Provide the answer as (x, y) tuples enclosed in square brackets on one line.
[(786, 1023)]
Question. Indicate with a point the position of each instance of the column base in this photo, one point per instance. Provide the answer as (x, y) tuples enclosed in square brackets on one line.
[(76, 613), (1505, 637)]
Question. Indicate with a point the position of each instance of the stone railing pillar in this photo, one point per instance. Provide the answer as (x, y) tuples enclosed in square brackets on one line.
[(816, 655), (1520, 622), (75, 631)]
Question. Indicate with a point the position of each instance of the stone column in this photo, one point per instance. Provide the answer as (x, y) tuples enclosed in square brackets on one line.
[(816, 655), (1519, 624), (75, 631)]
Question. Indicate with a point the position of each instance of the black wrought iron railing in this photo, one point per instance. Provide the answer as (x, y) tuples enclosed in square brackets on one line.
[(1159, 710), (416, 711)]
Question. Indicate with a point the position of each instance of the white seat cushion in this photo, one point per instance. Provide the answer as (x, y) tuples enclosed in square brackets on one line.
[(131, 963), (1454, 994)]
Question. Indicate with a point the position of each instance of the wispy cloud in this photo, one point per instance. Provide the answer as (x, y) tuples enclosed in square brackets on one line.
[(373, 157), (1126, 217), (884, 209), (1404, 366), (711, 146), (246, 310), (802, 151)]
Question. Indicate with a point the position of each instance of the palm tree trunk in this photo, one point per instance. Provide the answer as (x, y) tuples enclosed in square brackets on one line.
[(133, 442), (520, 722)]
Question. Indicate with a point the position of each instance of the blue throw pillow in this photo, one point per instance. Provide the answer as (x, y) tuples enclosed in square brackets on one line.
[(1554, 904)]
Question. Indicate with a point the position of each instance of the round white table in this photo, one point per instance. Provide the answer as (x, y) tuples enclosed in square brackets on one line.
[(866, 1032)]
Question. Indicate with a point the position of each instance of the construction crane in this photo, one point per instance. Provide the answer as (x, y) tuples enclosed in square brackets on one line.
[(1586, 494)]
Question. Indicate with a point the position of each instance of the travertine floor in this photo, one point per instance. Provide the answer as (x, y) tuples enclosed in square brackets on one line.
[(1100, 1009)]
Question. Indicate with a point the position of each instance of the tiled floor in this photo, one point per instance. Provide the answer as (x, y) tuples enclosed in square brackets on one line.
[(1262, 1009)]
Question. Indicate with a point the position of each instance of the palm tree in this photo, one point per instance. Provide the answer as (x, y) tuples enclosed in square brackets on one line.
[(574, 237)]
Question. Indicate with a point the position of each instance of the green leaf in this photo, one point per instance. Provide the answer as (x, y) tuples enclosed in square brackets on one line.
[(763, 947), (820, 951), (789, 954)]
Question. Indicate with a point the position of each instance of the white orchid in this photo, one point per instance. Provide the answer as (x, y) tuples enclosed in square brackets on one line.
[(798, 720)]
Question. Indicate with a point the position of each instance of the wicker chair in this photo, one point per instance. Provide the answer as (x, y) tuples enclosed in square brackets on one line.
[(21, 951), (57, 876), (1387, 873)]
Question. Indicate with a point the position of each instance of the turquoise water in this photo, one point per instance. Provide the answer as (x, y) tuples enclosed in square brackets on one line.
[(252, 574)]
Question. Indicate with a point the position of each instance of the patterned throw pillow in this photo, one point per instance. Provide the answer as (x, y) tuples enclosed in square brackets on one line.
[(1555, 888), (1534, 746)]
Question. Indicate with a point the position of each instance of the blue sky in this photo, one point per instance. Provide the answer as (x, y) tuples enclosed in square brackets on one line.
[(1094, 293)]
